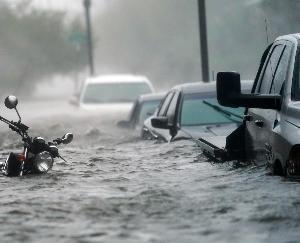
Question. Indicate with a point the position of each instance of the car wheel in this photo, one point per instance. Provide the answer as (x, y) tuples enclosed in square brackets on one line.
[(289, 169)]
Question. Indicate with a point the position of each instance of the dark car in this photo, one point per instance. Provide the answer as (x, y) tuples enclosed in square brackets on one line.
[(143, 107), (191, 111), (270, 132)]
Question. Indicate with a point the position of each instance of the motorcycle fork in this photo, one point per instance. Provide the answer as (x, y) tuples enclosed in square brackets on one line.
[(25, 153)]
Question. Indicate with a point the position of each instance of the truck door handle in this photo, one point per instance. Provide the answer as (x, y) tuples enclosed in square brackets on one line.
[(259, 123)]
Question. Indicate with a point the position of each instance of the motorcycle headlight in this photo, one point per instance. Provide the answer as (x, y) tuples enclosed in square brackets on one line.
[(43, 162)]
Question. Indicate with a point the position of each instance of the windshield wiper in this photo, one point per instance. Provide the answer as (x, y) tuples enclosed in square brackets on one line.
[(229, 114)]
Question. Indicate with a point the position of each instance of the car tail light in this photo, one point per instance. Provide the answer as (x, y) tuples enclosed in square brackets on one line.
[(293, 164)]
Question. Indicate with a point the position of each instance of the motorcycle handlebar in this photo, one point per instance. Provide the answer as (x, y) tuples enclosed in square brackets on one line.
[(15, 126), (21, 126)]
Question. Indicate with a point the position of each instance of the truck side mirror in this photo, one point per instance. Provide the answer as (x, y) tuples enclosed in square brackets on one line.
[(229, 94), (160, 122)]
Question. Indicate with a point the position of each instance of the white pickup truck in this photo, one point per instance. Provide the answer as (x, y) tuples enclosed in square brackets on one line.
[(270, 132), (113, 92)]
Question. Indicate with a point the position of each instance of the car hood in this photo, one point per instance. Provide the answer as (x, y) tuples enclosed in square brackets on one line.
[(211, 130)]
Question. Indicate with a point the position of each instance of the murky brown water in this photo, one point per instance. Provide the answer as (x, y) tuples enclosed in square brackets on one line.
[(117, 188)]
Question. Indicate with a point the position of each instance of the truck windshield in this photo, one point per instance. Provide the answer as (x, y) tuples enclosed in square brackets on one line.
[(114, 92), (196, 112)]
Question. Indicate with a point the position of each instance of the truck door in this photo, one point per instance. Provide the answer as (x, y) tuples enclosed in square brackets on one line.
[(278, 87), (163, 133), (259, 122)]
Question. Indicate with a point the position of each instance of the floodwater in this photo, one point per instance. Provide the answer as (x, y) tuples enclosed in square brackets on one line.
[(118, 188)]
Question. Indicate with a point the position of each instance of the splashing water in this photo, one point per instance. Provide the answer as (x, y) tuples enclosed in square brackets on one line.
[(117, 188)]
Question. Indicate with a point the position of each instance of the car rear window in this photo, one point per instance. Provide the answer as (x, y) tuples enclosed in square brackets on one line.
[(195, 112), (114, 92), (148, 109)]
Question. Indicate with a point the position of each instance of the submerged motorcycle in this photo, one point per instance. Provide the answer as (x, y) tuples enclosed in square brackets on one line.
[(37, 156)]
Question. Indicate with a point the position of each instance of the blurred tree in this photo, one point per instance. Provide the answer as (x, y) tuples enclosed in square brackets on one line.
[(152, 37), (237, 33), (160, 38), (34, 44)]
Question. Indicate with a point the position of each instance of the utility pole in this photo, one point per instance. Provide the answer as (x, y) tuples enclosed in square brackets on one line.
[(87, 5), (203, 40)]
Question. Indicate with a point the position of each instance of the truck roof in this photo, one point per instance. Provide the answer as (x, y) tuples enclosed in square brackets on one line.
[(118, 78), (292, 37), (189, 88), (150, 97)]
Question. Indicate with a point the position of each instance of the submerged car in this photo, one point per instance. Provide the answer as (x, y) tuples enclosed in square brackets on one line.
[(113, 92), (144, 107), (191, 111), (270, 132)]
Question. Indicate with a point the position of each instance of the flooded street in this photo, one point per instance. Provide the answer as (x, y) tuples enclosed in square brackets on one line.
[(118, 188), (87, 75)]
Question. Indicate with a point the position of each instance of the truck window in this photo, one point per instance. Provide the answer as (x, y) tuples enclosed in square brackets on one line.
[(165, 104), (172, 108), (114, 92), (270, 69), (281, 72), (146, 110)]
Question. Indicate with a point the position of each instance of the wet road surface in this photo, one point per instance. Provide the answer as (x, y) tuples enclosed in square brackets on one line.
[(117, 188)]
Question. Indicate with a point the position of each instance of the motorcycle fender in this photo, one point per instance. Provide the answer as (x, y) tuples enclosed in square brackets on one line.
[(13, 166)]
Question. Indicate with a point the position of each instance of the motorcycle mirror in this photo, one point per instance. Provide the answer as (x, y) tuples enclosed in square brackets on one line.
[(67, 138), (11, 102)]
